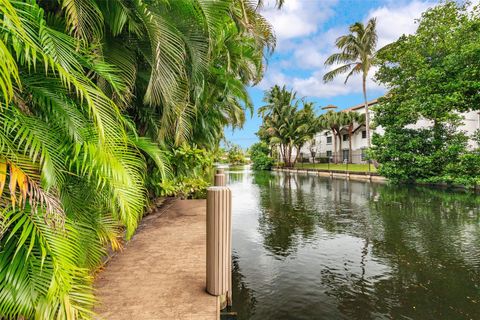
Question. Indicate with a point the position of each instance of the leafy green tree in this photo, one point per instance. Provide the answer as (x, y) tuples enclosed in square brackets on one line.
[(357, 56), (409, 155), (236, 155), (432, 76), (476, 138), (259, 154)]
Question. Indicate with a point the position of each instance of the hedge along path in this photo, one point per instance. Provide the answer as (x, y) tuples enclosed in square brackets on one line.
[(160, 274)]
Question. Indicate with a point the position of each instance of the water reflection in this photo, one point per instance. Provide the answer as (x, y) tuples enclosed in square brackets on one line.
[(244, 302), (319, 248)]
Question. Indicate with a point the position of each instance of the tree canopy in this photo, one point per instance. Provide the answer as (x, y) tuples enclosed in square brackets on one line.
[(432, 76), (288, 122)]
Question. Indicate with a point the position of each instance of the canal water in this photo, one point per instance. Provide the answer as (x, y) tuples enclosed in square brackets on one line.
[(308, 247)]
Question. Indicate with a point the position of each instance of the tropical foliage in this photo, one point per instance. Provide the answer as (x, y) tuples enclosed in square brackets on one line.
[(339, 123), (352, 120), (260, 156), (432, 76), (333, 121), (101, 102), (357, 56), (236, 155), (288, 122)]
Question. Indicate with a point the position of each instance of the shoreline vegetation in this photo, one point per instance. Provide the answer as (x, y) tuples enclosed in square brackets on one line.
[(430, 82)]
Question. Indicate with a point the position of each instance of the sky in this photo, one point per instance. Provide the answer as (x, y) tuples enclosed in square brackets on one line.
[(306, 31)]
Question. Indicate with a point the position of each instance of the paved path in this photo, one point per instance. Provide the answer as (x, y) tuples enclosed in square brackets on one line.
[(161, 272)]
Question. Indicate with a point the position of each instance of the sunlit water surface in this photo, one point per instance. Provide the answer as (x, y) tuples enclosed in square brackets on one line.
[(307, 247)]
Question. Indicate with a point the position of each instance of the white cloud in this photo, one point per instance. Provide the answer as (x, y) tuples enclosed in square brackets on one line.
[(297, 18), (314, 86), (310, 48), (312, 52), (394, 21)]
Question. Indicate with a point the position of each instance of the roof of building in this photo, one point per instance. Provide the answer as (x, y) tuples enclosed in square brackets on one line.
[(361, 105), (330, 106)]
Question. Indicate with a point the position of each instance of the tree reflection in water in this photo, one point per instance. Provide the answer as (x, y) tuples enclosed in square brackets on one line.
[(243, 299), (355, 250), (284, 220)]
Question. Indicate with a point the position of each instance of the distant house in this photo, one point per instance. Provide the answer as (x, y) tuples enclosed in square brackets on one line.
[(321, 147)]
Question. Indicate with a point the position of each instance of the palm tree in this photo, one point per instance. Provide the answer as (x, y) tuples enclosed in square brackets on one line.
[(285, 123), (350, 119), (333, 121), (358, 55), (308, 125)]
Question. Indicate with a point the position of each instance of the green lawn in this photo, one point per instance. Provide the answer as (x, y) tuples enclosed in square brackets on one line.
[(332, 166)]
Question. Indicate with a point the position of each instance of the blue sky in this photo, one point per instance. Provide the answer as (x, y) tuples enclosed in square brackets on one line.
[(306, 31)]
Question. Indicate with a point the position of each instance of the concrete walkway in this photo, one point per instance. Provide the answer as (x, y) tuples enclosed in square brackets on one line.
[(161, 272)]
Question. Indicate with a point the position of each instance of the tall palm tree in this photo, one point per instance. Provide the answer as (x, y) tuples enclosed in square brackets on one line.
[(308, 125), (357, 56), (350, 119)]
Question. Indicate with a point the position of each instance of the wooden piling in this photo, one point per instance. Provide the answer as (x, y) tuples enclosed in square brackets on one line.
[(219, 239)]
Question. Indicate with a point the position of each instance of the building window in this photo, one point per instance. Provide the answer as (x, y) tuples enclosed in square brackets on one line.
[(329, 154), (364, 134), (346, 154), (345, 137), (329, 140)]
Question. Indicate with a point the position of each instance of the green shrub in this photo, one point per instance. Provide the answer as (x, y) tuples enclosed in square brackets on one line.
[(259, 156), (185, 188), (262, 162), (466, 171), (192, 168)]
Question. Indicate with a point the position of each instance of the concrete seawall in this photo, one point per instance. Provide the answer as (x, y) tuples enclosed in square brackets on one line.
[(337, 174)]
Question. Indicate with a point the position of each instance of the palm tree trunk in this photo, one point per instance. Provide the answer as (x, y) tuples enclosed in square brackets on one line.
[(296, 155), (290, 156), (367, 114), (350, 143), (334, 137), (340, 146), (287, 156)]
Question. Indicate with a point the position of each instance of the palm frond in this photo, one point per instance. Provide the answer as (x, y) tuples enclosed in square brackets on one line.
[(329, 76)]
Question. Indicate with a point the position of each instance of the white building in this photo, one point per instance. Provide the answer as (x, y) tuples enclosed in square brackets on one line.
[(323, 147)]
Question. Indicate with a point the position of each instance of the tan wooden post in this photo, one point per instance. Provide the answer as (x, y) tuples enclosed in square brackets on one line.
[(219, 243)]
